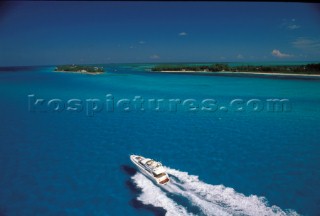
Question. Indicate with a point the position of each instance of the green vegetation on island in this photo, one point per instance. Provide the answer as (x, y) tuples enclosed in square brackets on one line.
[(289, 69), (181, 68), (79, 68)]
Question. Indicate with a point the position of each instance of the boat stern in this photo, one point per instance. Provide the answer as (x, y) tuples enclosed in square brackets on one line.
[(164, 181)]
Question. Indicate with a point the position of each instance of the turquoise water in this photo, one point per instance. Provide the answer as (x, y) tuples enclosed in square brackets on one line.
[(221, 163)]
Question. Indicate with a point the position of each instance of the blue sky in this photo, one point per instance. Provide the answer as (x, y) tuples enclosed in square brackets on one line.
[(48, 33)]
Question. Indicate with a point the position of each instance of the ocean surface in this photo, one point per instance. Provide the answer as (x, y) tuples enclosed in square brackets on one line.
[(66, 140)]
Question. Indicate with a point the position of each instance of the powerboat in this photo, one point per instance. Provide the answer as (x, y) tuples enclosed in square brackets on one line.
[(150, 168)]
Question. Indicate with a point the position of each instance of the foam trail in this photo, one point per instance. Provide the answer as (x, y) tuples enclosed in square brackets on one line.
[(153, 195), (210, 199), (208, 208), (227, 199)]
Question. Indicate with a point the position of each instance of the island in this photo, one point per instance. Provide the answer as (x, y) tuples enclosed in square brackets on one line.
[(306, 70), (80, 69)]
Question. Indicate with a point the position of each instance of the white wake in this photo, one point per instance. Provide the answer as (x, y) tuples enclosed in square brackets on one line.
[(210, 199), (153, 195)]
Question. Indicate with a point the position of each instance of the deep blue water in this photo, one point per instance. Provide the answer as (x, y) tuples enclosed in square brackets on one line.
[(221, 163)]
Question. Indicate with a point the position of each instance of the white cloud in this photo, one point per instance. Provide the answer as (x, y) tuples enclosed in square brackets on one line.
[(240, 56), (289, 24), (155, 56), (279, 54), (142, 42), (293, 26), (183, 33), (307, 44)]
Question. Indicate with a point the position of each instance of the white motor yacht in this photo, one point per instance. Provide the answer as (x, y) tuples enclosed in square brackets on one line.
[(150, 168)]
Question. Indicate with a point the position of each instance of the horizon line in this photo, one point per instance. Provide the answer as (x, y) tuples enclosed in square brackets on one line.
[(177, 62)]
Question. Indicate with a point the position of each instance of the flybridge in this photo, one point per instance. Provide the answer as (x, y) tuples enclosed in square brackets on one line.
[(153, 166)]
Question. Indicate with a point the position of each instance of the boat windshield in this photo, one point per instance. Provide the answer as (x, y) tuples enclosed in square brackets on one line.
[(159, 175), (150, 162), (153, 164)]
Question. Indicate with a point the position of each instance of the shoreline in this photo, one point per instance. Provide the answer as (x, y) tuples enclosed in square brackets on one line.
[(90, 73), (254, 73)]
